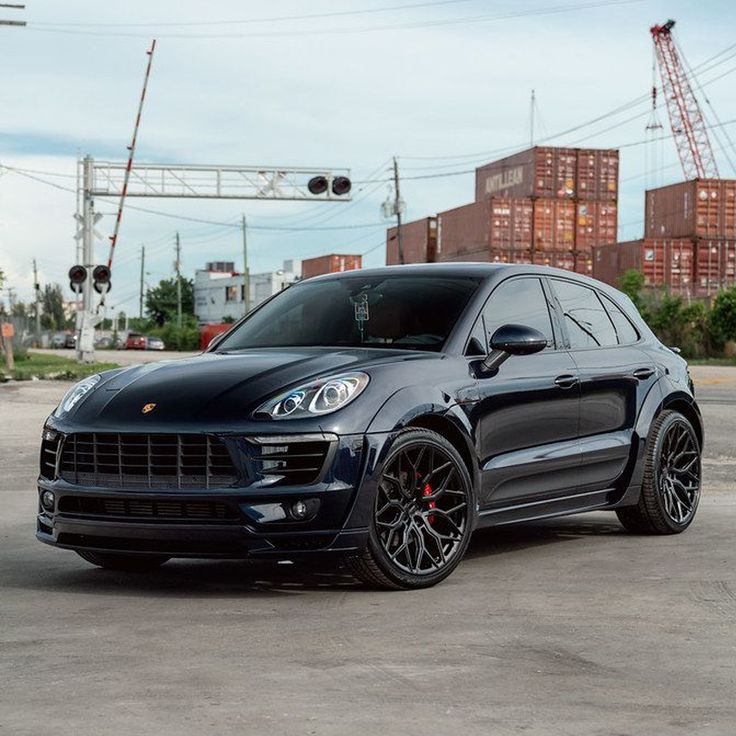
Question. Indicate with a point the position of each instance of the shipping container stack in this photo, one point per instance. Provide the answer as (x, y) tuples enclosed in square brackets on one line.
[(333, 263), (689, 243), (547, 205)]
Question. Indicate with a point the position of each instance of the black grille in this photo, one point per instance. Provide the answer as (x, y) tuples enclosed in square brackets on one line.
[(147, 509), (290, 463), (49, 447), (161, 461)]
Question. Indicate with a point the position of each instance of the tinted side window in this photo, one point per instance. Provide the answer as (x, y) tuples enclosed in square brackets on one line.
[(522, 302), (587, 322), (624, 329)]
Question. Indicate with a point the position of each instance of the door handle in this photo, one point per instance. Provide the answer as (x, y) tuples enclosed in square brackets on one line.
[(641, 374), (566, 380)]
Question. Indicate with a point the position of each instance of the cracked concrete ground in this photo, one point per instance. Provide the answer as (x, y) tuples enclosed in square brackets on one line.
[(568, 627)]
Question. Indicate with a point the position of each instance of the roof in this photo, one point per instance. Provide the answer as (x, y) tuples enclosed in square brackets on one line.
[(482, 270)]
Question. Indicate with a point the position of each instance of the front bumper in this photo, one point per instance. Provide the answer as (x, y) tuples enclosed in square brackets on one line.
[(228, 522)]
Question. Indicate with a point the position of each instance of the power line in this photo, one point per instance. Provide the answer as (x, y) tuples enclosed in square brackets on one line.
[(347, 30), (273, 19)]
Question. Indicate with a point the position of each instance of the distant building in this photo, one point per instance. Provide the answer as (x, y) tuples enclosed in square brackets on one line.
[(219, 290)]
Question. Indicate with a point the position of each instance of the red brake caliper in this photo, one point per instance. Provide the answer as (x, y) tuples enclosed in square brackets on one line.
[(432, 505)]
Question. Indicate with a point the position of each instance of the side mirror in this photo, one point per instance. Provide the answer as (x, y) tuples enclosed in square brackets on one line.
[(511, 340)]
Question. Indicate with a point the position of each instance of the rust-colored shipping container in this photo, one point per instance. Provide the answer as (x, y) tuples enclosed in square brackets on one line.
[(333, 263), (665, 263), (554, 224), (464, 233), (521, 224), (512, 223), (704, 208), (586, 174), (418, 241), (715, 266), (596, 224), (568, 260)]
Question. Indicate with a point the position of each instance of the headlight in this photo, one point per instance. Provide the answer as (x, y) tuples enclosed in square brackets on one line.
[(321, 396), (75, 394)]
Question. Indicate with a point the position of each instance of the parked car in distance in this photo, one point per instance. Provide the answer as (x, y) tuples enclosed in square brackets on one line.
[(58, 341), (70, 340), (135, 341), (380, 416), (155, 343), (104, 343)]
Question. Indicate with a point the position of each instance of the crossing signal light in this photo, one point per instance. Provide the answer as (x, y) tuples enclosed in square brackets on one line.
[(101, 279), (317, 185), (320, 184), (77, 276), (341, 185)]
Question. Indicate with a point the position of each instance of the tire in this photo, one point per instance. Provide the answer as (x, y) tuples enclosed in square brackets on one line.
[(423, 515), (122, 561), (670, 490)]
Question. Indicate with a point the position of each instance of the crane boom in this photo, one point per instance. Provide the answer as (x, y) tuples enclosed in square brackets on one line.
[(687, 121)]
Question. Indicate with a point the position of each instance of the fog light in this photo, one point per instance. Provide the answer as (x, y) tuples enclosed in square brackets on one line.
[(48, 500), (303, 510)]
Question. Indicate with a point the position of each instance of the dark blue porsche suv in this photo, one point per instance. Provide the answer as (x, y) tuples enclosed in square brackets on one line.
[(379, 415)]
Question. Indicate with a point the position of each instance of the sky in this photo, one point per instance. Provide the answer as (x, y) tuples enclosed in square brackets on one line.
[(444, 85)]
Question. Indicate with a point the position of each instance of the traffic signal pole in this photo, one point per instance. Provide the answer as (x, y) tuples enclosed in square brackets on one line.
[(89, 320)]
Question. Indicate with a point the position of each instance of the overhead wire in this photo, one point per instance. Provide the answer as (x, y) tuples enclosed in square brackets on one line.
[(409, 25)]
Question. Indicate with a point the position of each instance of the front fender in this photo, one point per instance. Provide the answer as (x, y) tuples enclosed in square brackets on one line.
[(411, 402)]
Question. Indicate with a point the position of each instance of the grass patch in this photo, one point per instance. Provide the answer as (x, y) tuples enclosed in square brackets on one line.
[(33, 365), (712, 361)]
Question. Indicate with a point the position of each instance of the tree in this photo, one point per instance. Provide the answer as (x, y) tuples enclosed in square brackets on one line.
[(722, 318), (161, 300), (632, 284), (52, 304), (2, 278), (19, 309)]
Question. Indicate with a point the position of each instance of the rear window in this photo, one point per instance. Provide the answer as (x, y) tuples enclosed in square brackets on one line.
[(408, 312)]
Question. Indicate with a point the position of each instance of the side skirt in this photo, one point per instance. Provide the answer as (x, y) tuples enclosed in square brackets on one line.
[(548, 508)]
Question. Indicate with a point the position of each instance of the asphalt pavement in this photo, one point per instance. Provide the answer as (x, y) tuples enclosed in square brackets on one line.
[(568, 627)]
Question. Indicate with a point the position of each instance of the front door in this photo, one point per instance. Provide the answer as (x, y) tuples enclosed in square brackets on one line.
[(527, 416)]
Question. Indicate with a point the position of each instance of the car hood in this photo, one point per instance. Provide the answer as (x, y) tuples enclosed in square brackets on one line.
[(216, 388)]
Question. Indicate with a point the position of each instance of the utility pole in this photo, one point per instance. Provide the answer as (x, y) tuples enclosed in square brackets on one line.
[(531, 121), (37, 290), (246, 271), (143, 272), (177, 264), (397, 207)]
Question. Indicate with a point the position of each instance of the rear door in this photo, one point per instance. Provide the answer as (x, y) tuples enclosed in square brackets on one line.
[(527, 416), (614, 376)]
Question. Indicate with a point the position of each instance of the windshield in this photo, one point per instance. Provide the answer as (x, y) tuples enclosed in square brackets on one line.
[(408, 312)]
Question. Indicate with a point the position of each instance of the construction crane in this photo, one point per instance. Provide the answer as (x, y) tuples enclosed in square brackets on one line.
[(688, 124)]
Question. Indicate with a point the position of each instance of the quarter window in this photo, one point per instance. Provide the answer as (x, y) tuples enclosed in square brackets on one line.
[(521, 302), (626, 332), (587, 322)]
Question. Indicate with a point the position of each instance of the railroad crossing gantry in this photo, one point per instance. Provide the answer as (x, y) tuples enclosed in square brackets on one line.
[(186, 181)]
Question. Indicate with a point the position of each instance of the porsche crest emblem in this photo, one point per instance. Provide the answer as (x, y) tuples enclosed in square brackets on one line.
[(148, 408)]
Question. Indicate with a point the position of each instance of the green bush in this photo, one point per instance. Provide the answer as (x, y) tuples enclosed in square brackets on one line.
[(722, 318), (186, 338)]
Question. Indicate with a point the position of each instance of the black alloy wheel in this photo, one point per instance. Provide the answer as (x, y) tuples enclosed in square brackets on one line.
[(672, 479), (423, 514)]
